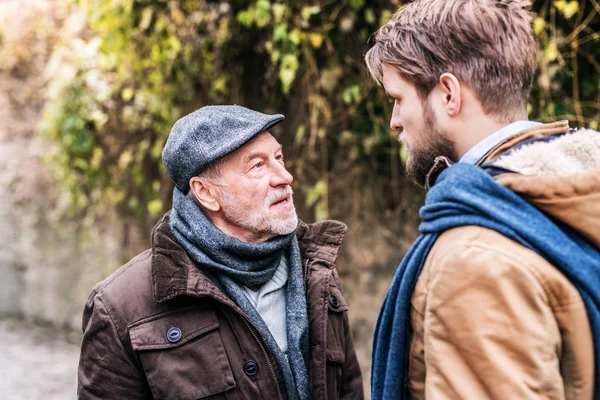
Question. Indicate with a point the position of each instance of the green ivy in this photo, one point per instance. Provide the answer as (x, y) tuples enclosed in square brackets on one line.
[(139, 65)]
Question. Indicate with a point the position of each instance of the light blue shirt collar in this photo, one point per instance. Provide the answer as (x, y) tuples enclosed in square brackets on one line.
[(480, 149)]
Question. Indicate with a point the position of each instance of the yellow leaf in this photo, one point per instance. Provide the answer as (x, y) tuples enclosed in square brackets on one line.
[(127, 94), (316, 40), (538, 25), (125, 159), (551, 52), (567, 8), (97, 157), (146, 18), (178, 16), (571, 9), (278, 11)]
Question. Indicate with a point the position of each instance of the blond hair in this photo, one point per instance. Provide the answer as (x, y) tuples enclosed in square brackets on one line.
[(489, 45)]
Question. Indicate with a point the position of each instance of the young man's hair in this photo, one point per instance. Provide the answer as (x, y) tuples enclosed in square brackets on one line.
[(489, 45)]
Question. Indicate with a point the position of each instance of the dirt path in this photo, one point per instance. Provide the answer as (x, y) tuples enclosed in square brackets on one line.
[(36, 362)]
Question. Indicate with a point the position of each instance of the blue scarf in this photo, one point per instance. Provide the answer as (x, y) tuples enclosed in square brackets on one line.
[(467, 195), (236, 263)]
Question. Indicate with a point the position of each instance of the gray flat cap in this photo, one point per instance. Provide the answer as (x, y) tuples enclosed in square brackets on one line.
[(208, 134)]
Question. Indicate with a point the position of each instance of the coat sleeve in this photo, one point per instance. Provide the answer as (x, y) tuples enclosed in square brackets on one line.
[(489, 331), (107, 369)]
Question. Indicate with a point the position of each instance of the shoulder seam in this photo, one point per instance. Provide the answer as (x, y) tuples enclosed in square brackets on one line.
[(125, 268)]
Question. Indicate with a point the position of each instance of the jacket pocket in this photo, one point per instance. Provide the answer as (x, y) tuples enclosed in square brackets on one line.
[(335, 326), (336, 356), (182, 354)]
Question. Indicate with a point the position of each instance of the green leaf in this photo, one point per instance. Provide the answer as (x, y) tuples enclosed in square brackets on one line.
[(308, 12), (80, 164), (262, 13), (287, 77), (245, 18), (352, 94), (321, 212), (280, 32), (403, 154), (154, 207), (287, 71), (357, 4), (278, 11), (300, 133), (133, 203), (385, 17), (315, 193), (294, 37), (370, 16)]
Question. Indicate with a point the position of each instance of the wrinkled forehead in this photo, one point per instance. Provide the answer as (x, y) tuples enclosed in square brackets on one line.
[(262, 145)]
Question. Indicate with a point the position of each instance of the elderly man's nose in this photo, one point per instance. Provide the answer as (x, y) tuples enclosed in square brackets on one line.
[(281, 176)]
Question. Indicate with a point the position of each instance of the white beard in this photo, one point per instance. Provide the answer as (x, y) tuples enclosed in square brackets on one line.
[(263, 222)]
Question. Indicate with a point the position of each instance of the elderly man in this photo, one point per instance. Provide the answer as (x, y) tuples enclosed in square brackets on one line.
[(236, 299), (499, 298)]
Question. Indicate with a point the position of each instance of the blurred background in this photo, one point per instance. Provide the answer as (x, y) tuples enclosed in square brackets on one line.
[(89, 90)]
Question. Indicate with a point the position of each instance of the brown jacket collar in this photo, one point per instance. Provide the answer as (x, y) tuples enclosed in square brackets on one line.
[(174, 273)]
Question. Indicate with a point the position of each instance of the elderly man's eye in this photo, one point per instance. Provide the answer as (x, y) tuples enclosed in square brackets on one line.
[(279, 157), (258, 164)]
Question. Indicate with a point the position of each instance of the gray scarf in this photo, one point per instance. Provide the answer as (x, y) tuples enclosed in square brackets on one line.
[(235, 264)]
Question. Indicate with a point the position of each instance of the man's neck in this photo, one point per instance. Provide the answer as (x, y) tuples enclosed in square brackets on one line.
[(477, 129)]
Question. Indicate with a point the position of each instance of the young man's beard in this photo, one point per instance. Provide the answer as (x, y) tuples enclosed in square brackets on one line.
[(434, 142)]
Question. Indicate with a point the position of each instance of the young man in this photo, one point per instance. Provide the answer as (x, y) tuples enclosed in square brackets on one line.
[(498, 298), (236, 299)]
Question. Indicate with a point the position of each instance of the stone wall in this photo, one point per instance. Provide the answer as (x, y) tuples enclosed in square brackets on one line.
[(49, 261)]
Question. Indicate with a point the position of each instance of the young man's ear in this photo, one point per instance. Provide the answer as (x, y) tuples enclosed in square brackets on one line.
[(451, 90), (205, 193)]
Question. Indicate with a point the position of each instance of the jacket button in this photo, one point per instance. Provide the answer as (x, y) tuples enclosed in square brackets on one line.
[(334, 301), (250, 368), (174, 335)]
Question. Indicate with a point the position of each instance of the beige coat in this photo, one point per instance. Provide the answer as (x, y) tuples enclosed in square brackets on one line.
[(490, 318)]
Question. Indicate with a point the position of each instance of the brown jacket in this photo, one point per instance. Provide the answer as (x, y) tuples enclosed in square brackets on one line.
[(492, 319), (125, 352)]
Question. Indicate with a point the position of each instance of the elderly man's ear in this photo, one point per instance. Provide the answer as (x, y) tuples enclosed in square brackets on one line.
[(205, 193)]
